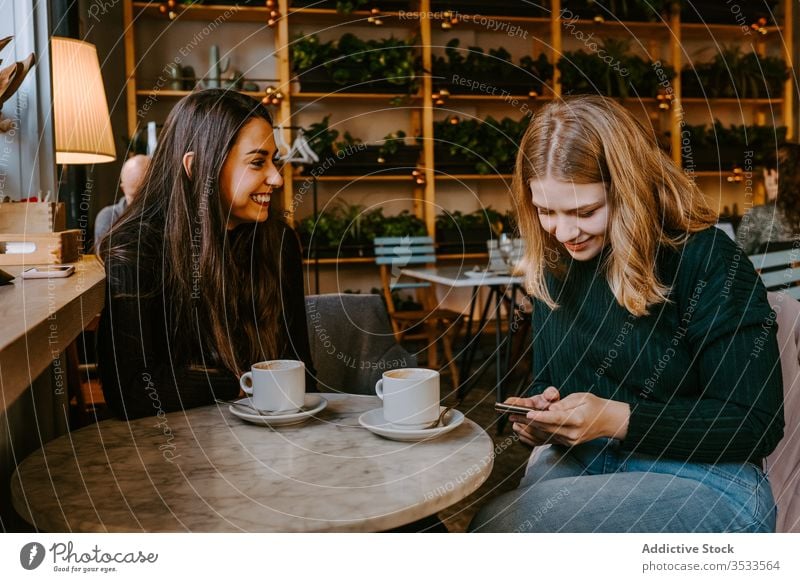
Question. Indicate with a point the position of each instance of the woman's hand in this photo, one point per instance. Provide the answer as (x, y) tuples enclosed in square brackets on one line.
[(527, 434), (576, 419)]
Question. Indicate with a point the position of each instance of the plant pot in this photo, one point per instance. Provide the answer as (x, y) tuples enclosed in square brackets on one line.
[(447, 163), (364, 160), (319, 80)]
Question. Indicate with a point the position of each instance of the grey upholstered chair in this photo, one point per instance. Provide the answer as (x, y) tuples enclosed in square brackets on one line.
[(352, 342)]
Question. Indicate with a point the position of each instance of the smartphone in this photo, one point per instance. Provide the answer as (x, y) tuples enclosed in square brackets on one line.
[(48, 272), (504, 408)]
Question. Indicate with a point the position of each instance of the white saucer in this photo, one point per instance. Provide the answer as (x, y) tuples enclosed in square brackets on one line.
[(313, 404), (374, 421)]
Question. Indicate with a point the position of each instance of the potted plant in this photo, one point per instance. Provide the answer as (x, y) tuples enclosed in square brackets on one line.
[(349, 230), (495, 71), (735, 74), (350, 156), (374, 66), (720, 149), (618, 74), (482, 147)]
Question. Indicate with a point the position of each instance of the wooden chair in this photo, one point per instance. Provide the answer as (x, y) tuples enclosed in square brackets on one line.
[(431, 323), (779, 270)]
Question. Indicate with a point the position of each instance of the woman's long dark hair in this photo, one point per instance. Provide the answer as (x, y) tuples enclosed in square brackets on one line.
[(788, 201), (220, 288)]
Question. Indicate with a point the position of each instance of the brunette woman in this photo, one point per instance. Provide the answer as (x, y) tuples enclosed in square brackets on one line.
[(203, 278)]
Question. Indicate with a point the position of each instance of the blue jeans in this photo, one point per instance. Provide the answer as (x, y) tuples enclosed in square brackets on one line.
[(594, 487)]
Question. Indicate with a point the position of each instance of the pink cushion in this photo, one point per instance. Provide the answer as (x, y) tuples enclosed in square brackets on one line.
[(784, 462)]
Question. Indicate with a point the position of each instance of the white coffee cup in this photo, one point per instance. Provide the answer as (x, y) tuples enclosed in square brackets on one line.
[(276, 385), (410, 397)]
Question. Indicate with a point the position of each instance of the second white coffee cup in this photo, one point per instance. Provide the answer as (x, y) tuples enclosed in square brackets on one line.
[(276, 385), (410, 397)]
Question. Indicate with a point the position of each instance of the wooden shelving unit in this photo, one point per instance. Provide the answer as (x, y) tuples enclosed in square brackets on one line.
[(547, 35)]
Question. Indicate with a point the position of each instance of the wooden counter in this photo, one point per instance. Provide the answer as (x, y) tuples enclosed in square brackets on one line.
[(39, 318)]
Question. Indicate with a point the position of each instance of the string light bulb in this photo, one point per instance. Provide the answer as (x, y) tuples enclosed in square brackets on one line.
[(760, 26), (274, 13), (375, 17), (169, 8), (736, 176), (272, 97)]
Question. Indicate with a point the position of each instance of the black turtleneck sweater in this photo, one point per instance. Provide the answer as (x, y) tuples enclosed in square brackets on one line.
[(139, 369), (701, 372)]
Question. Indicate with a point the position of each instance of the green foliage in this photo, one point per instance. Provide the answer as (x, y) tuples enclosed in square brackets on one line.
[(353, 61), (495, 67), (718, 141), (490, 145), (392, 144), (619, 73), (325, 141), (348, 6), (734, 73), (481, 220), (351, 225)]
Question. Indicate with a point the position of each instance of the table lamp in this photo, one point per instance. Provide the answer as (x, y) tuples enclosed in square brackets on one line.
[(80, 110)]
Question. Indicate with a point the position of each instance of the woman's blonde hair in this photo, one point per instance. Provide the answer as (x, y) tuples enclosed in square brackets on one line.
[(589, 139)]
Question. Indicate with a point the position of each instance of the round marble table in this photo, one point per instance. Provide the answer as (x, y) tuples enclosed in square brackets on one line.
[(206, 470)]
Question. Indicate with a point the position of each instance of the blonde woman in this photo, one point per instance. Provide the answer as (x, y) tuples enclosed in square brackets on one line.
[(657, 378)]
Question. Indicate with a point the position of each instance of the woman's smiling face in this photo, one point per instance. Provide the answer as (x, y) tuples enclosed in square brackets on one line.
[(249, 176), (576, 215)]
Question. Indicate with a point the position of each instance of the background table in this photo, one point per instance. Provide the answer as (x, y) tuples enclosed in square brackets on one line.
[(206, 470), (455, 277), (41, 317)]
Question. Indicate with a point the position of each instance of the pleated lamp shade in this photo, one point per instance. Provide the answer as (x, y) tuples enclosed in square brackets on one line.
[(80, 109)]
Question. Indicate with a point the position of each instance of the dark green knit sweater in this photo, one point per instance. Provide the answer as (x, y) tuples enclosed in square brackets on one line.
[(701, 373)]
